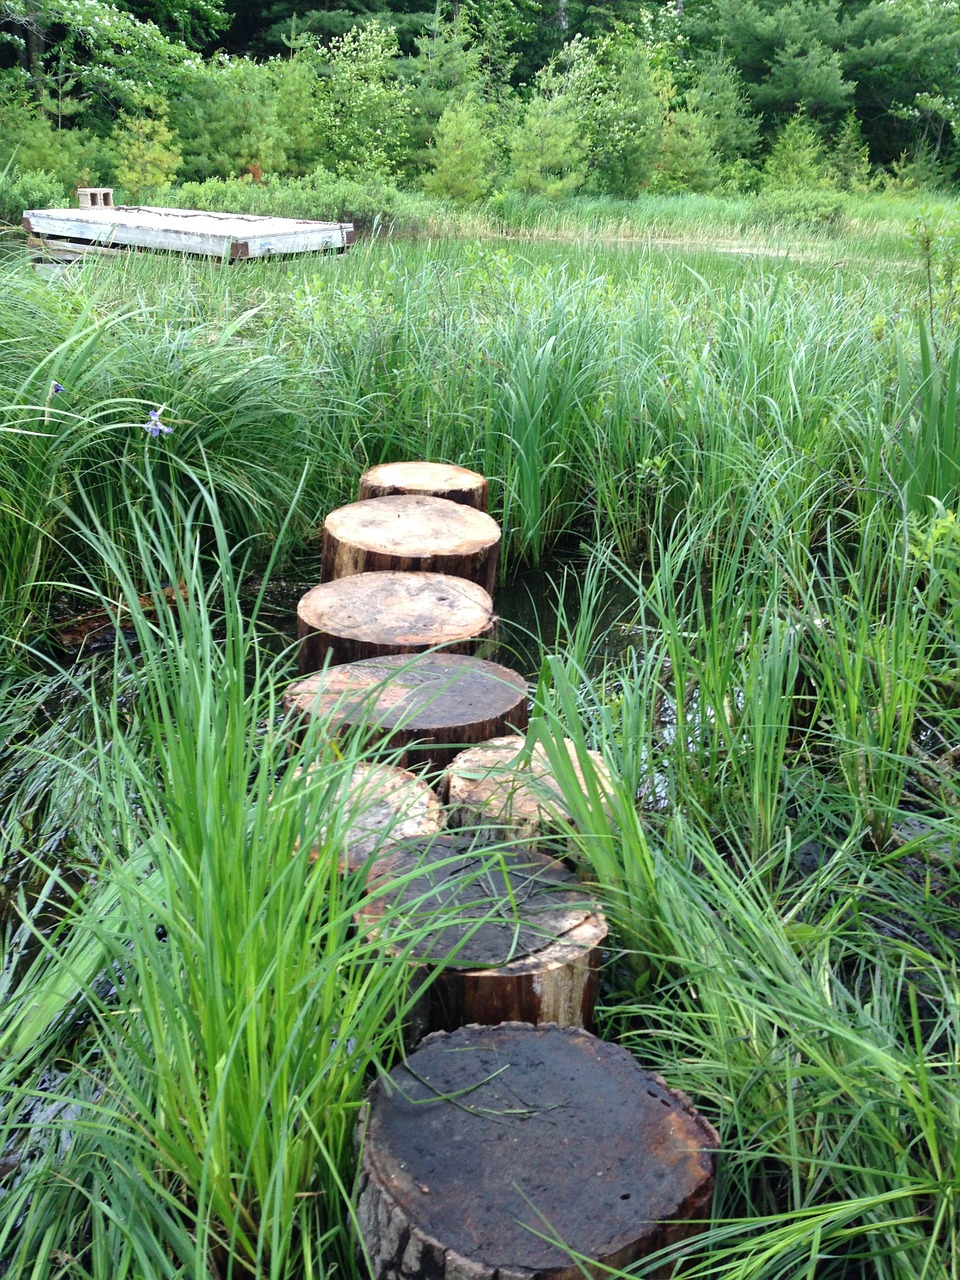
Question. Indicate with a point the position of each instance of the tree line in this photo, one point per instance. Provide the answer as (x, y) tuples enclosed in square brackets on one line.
[(546, 97)]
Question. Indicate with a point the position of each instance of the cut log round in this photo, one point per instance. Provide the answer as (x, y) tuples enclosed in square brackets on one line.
[(490, 1144), (370, 615), (381, 805), (513, 933), (411, 533), (434, 479), (427, 707), (512, 791)]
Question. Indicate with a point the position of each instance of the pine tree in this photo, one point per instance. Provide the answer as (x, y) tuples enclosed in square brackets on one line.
[(147, 158), (546, 151), (462, 155)]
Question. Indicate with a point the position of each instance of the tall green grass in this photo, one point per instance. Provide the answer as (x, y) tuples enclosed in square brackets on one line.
[(189, 1018), (212, 1009), (801, 988), (587, 382)]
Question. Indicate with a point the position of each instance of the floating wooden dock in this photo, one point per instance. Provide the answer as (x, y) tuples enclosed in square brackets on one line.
[(67, 234)]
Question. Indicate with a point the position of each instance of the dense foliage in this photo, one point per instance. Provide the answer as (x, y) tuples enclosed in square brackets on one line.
[(547, 96)]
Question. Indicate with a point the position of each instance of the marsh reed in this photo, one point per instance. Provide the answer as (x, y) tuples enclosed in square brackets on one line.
[(762, 460)]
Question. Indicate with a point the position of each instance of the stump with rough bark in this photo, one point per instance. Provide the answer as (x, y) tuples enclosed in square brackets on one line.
[(495, 1153), (378, 806), (370, 615), (409, 532), (509, 788), (433, 479), (511, 933), (427, 707)]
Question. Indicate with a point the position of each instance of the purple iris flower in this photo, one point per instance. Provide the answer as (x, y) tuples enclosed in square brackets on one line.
[(155, 426)]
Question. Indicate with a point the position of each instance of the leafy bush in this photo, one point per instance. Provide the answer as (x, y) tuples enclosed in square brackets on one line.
[(849, 161), (688, 161), (72, 155), (816, 209), (321, 195), (35, 189), (796, 160), (546, 154), (146, 156)]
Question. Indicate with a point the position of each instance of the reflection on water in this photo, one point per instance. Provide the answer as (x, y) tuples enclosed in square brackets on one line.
[(541, 610)]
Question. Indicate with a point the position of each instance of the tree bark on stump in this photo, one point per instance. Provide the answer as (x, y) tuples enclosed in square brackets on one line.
[(427, 707), (370, 615), (430, 479), (411, 533), (493, 1143), (384, 805), (514, 935), (511, 792)]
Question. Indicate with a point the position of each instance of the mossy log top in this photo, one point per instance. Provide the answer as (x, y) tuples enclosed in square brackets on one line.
[(510, 787), (378, 805), (370, 615), (404, 532), (487, 1140), (428, 706), (435, 479), (515, 935)]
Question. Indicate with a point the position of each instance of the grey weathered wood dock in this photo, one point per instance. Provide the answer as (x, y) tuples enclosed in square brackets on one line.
[(67, 234)]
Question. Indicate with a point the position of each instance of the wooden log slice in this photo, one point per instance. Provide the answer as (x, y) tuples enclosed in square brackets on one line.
[(489, 1139), (370, 615), (427, 707), (513, 933), (434, 479), (409, 532), (511, 790), (382, 805)]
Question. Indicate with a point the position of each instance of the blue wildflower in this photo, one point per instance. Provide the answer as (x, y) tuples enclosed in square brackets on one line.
[(155, 426), (56, 388)]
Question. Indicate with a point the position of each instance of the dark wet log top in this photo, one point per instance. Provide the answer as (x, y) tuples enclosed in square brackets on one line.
[(497, 1136), (429, 691), (486, 906)]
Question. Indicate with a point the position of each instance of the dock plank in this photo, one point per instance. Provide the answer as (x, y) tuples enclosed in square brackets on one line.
[(218, 235)]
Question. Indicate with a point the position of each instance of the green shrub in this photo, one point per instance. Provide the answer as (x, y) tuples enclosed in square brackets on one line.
[(796, 160), (35, 189), (816, 209), (147, 158), (688, 161), (462, 155), (849, 160), (72, 155), (546, 154), (320, 195)]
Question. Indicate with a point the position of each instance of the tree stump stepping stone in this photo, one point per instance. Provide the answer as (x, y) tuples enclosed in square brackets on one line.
[(488, 1145), (427, 707), (411, 532), (511, 790), (434, 479), (370, 615), (515, 936), (384, 805)]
